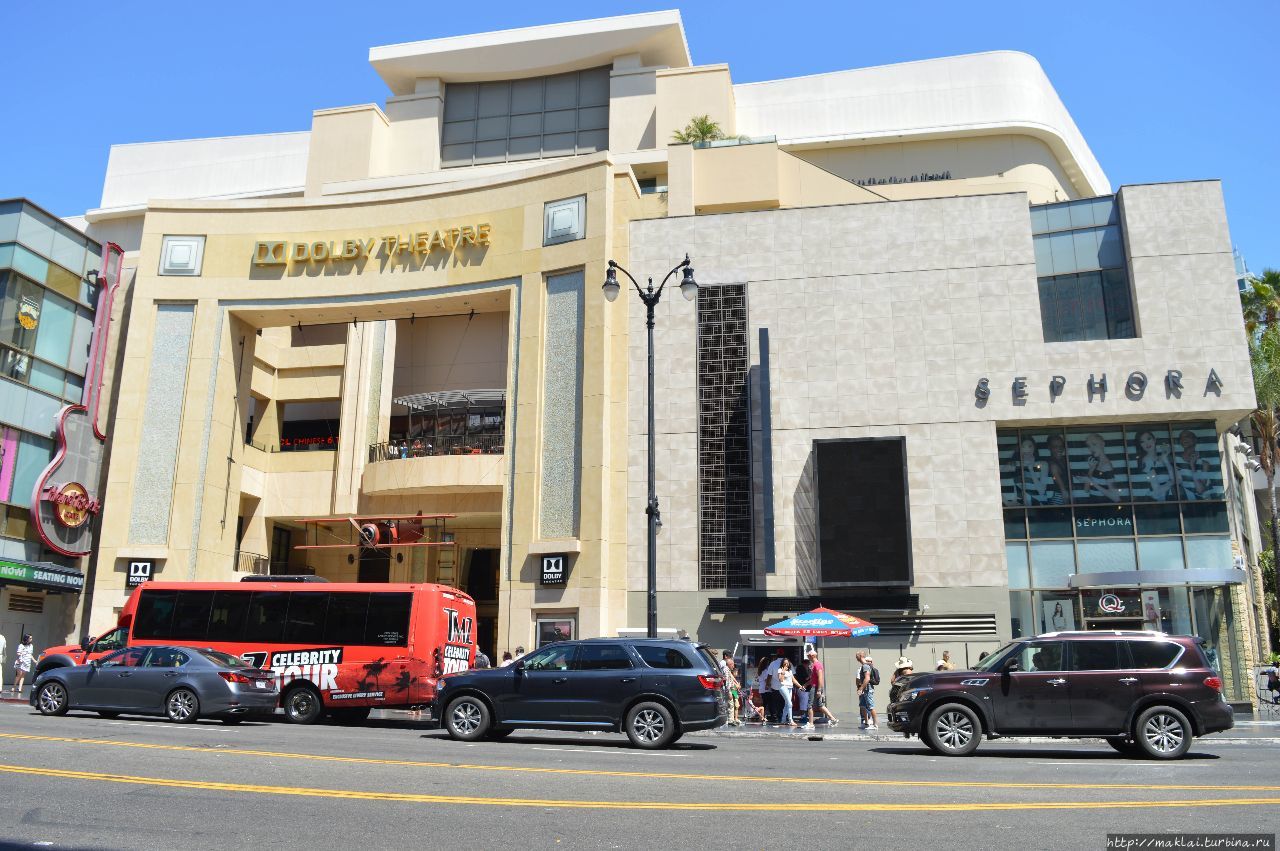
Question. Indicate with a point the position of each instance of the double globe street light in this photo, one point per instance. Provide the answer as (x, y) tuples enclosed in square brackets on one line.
[(651, 297)]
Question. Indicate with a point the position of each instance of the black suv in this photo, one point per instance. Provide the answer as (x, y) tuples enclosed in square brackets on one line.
[(653, 690), (1146, 693)]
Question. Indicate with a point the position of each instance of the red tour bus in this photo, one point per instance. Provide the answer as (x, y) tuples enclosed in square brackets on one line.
[(343, 648)]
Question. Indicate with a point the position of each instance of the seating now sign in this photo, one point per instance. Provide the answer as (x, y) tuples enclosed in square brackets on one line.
[(554, 569)]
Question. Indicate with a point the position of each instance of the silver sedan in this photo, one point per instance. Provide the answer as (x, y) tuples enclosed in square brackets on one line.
[(181, 683)]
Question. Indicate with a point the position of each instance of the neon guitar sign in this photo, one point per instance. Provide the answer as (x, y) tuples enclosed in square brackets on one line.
[(63, 501)]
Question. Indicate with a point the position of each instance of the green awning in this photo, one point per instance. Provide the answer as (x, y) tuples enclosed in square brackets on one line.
[(42, 575)]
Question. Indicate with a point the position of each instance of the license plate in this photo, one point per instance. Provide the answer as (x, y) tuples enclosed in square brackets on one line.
[(261, 683)]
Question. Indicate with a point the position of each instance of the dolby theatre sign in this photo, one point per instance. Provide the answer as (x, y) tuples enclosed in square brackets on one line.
[(393, 246)]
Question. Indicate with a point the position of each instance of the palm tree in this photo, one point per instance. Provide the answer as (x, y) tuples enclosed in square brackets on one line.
[(700, 129), (1264, 356), (1261, 302)]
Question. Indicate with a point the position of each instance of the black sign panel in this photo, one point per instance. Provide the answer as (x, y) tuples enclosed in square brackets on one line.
[(554, 569), (864, 527), (139, 572)]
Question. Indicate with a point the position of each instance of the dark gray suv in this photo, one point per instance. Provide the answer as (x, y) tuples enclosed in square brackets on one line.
[(654, 690), (1146, 693)]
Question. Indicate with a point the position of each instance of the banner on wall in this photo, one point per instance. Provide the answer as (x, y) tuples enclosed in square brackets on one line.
[(1059, 615)]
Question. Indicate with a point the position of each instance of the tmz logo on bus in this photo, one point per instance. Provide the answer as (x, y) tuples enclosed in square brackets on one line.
[(457, 652)]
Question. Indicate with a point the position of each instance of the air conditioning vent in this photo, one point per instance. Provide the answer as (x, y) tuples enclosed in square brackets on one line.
[(27, 603)]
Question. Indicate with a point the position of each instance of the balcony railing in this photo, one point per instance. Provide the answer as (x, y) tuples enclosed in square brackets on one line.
[(256, 563), (448, 444)]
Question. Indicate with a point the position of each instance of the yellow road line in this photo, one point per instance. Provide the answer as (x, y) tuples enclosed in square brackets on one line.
[(405, 797), (590, 772)]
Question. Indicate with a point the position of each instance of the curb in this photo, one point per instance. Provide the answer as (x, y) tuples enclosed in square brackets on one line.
[(821, 736)]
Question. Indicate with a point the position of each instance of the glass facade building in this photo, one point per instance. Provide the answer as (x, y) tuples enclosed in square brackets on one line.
[(47, 305)]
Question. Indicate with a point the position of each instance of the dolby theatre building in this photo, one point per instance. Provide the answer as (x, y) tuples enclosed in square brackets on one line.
[(938, 372)]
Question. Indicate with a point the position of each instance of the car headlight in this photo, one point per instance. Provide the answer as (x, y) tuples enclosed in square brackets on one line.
[(912, 694)]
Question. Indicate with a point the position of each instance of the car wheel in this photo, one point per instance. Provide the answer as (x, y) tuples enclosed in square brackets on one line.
[(182, 706), (953, 730), (498, 733), (467, 718), (351, 716), (52, 699), (1124, 745), (650, 726), (108, 715), (302, 705), (1163, 732)]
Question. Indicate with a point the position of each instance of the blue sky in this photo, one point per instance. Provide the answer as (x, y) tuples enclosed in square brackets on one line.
[(1161, 91)]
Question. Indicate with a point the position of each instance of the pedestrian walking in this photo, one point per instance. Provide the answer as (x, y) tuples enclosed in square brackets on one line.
[(786, 679), (818, 692), (773, 703), (762, 688), (945, 663), (482, 660), (902, 672), (22, 658), (4, 646), (734, 689), (868, 679)]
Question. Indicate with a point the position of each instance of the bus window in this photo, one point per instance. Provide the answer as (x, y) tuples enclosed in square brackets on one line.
[(305, 624), (155, 614), (226, 622), (344, 623), (388, 622), (266, 616), (191, 616)]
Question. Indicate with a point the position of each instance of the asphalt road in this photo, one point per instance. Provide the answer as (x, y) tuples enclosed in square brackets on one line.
[(86, 782)]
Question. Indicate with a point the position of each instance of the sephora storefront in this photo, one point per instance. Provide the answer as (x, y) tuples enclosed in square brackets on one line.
[(1122, 526)]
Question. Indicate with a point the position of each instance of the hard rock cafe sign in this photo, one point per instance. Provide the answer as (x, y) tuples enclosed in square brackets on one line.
[(65, 497)]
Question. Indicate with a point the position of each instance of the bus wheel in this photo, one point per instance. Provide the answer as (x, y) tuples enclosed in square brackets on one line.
[(302, 705)]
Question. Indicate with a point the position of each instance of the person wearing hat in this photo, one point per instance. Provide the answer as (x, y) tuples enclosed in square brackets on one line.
[(818, 692), (902, 672), (866, 693)]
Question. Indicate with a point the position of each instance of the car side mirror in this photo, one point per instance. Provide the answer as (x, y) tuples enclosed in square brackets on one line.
[(86, 643), (1012, 665), (95, 663), (518, 666)]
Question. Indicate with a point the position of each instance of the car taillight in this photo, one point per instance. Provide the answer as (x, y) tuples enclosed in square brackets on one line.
[(710, 683), (1214, 683), (233, 677)]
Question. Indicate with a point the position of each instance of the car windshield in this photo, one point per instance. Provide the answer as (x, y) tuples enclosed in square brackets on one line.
[(990, 663), (224, 660)]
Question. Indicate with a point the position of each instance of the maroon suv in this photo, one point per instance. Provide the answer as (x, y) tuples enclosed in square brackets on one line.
[(1146, 693)]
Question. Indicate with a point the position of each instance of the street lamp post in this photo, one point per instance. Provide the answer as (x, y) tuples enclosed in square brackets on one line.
[(651, 297)]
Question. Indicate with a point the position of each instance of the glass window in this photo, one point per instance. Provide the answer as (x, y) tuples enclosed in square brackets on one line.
[(130, 657), (1097, 656), (34, 454), (387, 624), (1015, 525), (1160, 554), (602, 657), (1198, 462), (227, 617), (191, 616), (36, 231), (265, 621), (1010, 480), (167, 657), (1052, 563), (1019, 569), (555, 629), (1041, 656), (1157, 519), (1151, 472), (1107, 556), (1043, 465), (224, 660), (305, 624), (1153, 655), (1022, 614), (48, 378), (113, 640), (557, 658), (1210, 552), (154, 618), (1104, 521), (1049, 522), (1204, 518), (658, 656), (30, 264), (345, 620), (1096, 458), (20, 313)]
